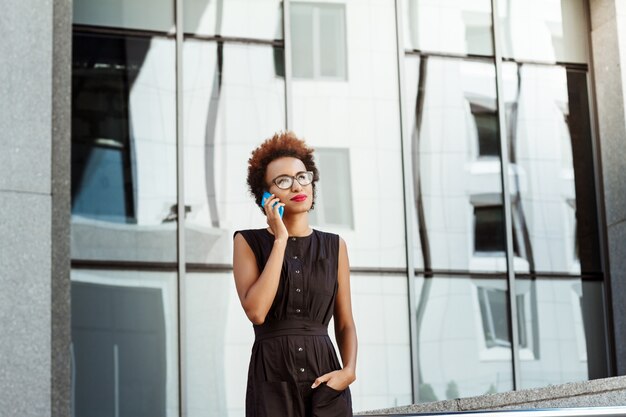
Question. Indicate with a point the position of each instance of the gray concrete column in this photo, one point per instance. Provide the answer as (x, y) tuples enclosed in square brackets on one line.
[(608, 39), (35, 84)]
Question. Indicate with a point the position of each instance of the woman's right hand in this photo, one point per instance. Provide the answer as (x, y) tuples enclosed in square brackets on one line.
[(274, 221)]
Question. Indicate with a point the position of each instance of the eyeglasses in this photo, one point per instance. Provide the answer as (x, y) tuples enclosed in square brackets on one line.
[(284, 182)]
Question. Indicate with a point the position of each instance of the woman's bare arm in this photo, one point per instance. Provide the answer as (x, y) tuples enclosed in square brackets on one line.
[(345, 330), (257, 289)]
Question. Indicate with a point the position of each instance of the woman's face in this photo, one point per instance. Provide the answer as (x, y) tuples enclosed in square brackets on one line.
[(297, 198)]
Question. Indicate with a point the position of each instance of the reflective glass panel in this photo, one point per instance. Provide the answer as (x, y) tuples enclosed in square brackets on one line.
[(258, 19), (463, 340), (381, 315), (563, 321), (552, 169), (448, 26), (124, 343), (318, 44), (544, 30), (129, 14), (217, 351), (356, 119), (234, 100), (331, 208), (453, 130), (123, 148)]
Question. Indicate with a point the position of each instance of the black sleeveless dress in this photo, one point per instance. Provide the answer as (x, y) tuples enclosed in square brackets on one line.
[(292, 346)]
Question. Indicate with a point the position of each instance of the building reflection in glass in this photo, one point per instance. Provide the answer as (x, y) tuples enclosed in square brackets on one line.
[(544, 30), (345, 103), (455, 27), (124, 343), (252, 19), (455, 151), (233, 99), (463, 341), (563, 320), (551, 171), (344, 99), (217, 348), (123, 148), (457, 187)]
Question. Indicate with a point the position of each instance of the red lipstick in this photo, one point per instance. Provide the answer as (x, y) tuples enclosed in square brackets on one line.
[(299, 198)]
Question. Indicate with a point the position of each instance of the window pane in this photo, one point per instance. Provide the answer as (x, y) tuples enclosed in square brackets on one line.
[(257, 19), (457, 189), (123, 148), (487, 130), (124, 343), (565, 324), (318, 40), (489, 229), (233, 101), (130, 14), (453, 26), (217, 352), (106, 165), (552, 174), (544, 30), (302, 42), (361, 114), (333, 202), (462, 335), (332, 51), (494, 316), (381, 314)]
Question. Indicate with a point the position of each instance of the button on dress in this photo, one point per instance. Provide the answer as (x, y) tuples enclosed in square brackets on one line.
[(292, 347)]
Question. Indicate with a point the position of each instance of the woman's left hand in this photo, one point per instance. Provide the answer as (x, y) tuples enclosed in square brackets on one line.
[(337, 380)]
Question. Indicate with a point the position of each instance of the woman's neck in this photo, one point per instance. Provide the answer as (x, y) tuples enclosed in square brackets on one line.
[(297, 224)]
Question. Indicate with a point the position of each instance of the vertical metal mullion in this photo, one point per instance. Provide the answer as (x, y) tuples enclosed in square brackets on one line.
[(180, 202), (408, 201), (287, 60), (116, 381), (506, 195)]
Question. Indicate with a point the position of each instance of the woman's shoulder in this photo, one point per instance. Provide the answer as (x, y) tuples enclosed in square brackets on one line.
[(251, 233), (330, 237), (326, 234)]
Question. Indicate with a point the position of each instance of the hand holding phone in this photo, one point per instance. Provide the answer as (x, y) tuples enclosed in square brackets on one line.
[(267, 195)]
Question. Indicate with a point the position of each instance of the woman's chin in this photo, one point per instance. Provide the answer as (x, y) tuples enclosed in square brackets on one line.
[(298, 210)]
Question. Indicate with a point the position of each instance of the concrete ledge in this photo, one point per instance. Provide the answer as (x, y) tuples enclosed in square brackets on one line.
[(596, 393)]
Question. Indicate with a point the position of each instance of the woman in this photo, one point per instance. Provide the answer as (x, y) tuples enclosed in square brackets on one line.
[(291, 279)]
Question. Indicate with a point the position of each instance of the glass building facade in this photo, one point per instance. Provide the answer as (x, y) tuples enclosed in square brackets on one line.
[(456, 154)]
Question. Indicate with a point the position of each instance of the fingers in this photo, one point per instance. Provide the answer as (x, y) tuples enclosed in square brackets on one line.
[(320, 380), (271, 201), (272, 204), (277, 207)]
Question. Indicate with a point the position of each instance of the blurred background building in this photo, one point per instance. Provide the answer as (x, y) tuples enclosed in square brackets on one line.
[(472, 155)]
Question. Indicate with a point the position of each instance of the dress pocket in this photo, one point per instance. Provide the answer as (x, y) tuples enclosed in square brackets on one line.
[(328, 402)]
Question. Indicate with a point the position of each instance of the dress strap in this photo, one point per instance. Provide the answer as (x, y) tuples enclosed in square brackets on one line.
[(288, 328)]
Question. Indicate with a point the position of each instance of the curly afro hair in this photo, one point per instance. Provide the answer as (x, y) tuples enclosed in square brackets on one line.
[(280, 145)]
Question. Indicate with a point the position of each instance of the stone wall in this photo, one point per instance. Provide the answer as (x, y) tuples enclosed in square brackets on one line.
[(608, 42), (35, 86), (608, 392)]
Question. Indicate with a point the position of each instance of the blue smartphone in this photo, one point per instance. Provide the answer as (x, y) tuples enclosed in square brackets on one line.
[(267, 195)]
